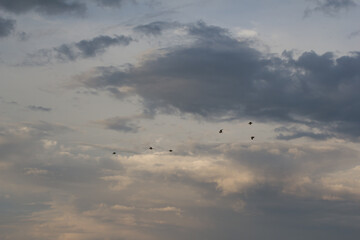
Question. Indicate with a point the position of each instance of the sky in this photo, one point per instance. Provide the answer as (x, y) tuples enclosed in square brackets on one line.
[(81, 80)]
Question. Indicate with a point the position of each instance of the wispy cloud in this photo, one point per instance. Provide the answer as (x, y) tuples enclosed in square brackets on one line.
[(39, 108), (45, 7), (73, 51), (111, 3), (155, 28), (354, 34), (121, 124), (330, 7)]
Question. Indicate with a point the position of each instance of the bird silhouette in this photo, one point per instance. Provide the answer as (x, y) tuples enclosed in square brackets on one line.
[(221, 131), (151, 148), (250, 123), (114, 153), (252, 137), (170, 150)]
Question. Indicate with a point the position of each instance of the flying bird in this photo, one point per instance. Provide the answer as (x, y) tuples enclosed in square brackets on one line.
[(252, 137), (114, 153), (151, 148), (250, 123), (221, 131), (170, 150)]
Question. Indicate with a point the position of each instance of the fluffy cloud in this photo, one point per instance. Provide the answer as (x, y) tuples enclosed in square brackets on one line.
[(218, 76), (64, 192)]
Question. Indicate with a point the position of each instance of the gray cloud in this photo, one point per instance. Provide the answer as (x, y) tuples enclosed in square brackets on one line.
[(82, 49), (219, 76), (46, 7), (44, 129), (6, 26), (23, 36), (110, 3), (330, 7), (97, 45), (122, 124), (199, 30), (39, 108), (316, 136), (155, 28), (126, 124), (210, 34), (354, 34), (294, 133), (60, 189)]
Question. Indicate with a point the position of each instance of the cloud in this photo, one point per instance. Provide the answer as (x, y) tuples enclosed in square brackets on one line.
[(54, 7), (330, 7), (121, 124), (354, 34), (82, 49), (35, 171), (199, 30), (6, 26), (210, 33), (125, 124), (90, 48), (39, 108), (45, 128), (22, 36), (155, 28), (62, 191), (110, 3), (219, 77), (294, 133)]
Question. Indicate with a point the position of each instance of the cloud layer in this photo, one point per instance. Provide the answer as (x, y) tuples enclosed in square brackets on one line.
[(77, 194)]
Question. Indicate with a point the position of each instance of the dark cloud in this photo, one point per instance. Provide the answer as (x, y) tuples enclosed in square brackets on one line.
[(53, 7), (6, 26), (330, 7), (210, 34), (97, 45), (155, 28), (82, 49), (39, 108), (219, 76)]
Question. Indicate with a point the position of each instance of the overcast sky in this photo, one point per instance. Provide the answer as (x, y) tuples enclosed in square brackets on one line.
[(83, 79)]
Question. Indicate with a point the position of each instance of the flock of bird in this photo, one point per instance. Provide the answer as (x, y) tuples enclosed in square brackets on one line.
[(220, 131)]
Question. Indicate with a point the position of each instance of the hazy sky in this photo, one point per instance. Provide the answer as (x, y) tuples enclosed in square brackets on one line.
[(82, 79)]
